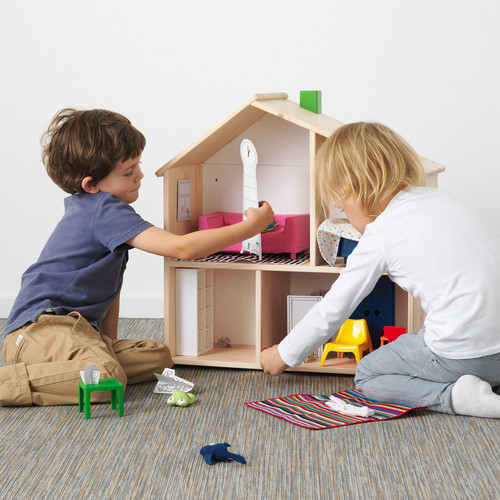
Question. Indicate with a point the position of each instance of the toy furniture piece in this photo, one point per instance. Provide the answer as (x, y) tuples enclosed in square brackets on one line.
[(106, 384), (336, 238), (353, 337), (391, 333), (311, 100), (247, 301), (291, 235)]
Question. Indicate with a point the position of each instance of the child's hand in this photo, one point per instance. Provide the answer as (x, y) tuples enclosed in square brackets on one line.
[(261, 217), (271, 362)]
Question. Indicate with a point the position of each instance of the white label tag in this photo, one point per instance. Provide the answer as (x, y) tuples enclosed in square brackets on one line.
[(19, 340)]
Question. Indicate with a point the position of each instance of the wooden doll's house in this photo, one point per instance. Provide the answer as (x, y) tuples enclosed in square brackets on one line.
[(210, 305)]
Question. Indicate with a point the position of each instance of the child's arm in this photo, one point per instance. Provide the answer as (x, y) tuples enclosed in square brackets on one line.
[(109, 324), (202, 243), (365, 266), (271, 362)]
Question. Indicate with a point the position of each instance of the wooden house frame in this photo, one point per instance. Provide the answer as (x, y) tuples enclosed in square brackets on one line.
[(267, 285)]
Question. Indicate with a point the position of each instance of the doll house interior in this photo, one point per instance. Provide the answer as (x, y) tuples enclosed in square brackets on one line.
[(246, 302)]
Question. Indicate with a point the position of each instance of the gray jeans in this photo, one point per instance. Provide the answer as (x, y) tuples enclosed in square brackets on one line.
[(407, 372)]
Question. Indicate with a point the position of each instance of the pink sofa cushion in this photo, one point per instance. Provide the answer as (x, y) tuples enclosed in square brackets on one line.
[(290, 236)]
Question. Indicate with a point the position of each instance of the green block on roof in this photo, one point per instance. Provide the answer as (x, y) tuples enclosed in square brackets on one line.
[(311, 100)]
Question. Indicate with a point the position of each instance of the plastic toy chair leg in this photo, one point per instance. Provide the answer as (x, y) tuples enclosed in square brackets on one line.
[(87, 403), (117, 401), (326, 350), (120, 403), (81, 399), (357, 355)]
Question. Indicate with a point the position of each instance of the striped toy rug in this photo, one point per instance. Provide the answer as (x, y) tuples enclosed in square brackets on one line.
[(311, 412)]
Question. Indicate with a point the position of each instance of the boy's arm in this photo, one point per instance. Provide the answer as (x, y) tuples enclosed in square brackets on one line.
[(109, 324), (202, 243)]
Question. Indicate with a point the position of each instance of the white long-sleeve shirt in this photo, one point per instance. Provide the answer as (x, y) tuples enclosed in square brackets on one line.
[(436, 249)]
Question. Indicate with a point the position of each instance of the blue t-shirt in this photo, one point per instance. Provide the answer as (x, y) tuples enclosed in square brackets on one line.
[(82, 264)]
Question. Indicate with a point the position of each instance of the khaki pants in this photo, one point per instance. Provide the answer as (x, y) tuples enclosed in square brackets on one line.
[(45, 358)]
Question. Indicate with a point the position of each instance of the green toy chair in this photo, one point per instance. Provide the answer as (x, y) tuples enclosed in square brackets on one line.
[(353, 337)]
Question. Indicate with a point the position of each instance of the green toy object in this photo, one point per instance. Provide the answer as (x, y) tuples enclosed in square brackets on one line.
[(181, 398), (106, 384), (311, 100)]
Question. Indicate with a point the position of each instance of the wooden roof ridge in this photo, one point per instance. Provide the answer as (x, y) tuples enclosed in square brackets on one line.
[(256, 107), (237, 122)]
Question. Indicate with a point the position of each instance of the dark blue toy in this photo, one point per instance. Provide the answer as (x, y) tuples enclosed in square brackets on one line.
[(218, 453)]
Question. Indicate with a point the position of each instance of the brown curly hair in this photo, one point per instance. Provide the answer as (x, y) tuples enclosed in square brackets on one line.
[(80, 143)]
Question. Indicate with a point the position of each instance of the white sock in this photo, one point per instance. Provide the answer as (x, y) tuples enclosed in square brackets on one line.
[(474, 397)]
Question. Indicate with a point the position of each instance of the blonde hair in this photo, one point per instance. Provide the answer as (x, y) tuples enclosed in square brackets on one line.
[(367, 162)]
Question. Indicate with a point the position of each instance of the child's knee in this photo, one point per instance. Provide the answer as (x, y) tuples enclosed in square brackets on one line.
[(362, 374), (113, 370), (143, 359), (163, 355)]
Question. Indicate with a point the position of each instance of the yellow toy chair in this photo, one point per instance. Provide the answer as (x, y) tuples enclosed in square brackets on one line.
[(353, 337)]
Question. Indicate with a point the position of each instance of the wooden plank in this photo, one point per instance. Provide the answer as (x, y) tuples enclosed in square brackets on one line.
[(195, 174), (169, 323), (259, 300), (236, 356), (344, 366), (316, 210), (244, 357), (432, 168), (293, 113), (273, 309)]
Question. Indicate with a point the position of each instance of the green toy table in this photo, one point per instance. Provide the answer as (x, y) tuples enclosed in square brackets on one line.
[(105, 384)]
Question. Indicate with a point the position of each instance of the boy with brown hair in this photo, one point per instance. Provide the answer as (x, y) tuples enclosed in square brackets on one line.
[(66, 313)]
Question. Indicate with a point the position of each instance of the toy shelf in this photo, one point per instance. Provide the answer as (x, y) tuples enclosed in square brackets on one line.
[(246, 357), (236, 356), (249, 307), (247, 301)]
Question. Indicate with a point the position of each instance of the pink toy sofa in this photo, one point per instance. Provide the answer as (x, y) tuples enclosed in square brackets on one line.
[(291, 235)]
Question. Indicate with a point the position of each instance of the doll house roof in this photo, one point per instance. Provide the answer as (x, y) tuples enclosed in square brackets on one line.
[(276, 104)]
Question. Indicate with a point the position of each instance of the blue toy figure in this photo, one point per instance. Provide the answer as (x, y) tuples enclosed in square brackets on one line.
[(217, 452)]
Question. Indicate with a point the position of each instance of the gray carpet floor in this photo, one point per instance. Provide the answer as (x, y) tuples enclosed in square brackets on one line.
[(153, 451)]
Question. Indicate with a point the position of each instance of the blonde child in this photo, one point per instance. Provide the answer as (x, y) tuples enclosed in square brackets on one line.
[(66, 314), (422, 238)]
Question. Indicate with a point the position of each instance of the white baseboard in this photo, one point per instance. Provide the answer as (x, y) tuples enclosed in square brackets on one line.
[(131, 306)]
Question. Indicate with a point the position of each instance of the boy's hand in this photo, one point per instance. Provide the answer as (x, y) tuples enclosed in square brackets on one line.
[(261, 217), (271, 362)]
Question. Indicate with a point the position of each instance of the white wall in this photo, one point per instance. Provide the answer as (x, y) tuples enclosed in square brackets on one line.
[(427, 68)]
